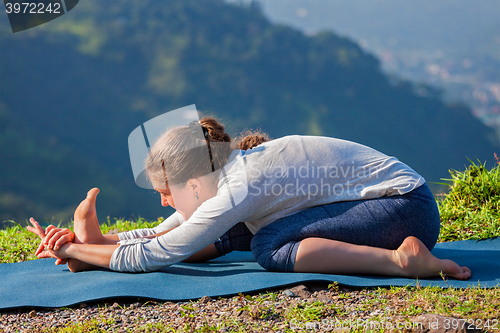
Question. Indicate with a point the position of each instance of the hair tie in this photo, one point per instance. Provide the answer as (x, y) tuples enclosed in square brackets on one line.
[(205, 132)]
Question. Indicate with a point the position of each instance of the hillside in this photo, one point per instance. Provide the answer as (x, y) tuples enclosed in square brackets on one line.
[(453, 45), (74, 88)]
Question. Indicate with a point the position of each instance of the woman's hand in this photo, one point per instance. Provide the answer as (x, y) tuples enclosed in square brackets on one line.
[(37, 230), (59, 254), (56, 237), (51, 237)]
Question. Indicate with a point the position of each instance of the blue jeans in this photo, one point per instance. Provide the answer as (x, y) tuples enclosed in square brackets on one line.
[(384, 222)]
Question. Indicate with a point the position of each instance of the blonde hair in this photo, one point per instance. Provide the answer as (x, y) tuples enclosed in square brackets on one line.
[(175, 157)]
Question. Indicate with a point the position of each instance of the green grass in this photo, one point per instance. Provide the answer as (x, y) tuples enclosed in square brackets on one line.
[(18, 244), (471, 210)]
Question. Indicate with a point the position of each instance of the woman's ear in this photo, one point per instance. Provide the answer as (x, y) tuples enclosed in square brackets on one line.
[(194, 184)]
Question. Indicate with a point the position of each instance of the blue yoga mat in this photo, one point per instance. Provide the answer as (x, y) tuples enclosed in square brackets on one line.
[(40, 283)]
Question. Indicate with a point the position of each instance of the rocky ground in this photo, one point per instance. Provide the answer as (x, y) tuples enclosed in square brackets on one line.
[(301, 308)]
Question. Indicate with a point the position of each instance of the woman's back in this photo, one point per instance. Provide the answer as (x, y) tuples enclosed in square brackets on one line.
[(289, 174)]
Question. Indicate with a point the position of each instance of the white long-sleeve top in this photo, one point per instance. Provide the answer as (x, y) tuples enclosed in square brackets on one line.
[(258, 186)]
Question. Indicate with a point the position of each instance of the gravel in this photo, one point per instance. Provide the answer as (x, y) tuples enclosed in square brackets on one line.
[(256, 315)]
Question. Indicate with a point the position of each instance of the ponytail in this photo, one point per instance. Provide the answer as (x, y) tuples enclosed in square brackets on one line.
[(215, 130), (250, 139)]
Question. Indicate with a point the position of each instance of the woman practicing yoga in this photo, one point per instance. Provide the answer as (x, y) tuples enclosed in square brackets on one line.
[(308, 204)]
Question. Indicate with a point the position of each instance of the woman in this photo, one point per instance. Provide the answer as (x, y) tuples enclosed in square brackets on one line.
[(313, 204)]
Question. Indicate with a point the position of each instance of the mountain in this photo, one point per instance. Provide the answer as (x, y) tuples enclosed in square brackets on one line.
[(453, 45), (73, 89), (459, 28)]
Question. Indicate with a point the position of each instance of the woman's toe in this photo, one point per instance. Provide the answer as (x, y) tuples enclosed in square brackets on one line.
[(466, 273), (455, 271)]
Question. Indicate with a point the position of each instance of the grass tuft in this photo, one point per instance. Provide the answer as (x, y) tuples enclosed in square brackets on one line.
[(471, 210)]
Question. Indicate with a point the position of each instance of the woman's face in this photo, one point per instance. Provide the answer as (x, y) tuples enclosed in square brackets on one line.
[(180, 197)]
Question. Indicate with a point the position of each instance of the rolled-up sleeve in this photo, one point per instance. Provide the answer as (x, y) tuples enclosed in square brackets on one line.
[(143, 255), (171, 222)]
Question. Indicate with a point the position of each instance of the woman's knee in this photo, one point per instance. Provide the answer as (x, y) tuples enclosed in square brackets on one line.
[(274, 257), (422, 216)]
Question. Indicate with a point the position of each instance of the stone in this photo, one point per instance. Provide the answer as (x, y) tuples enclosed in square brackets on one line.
[(205, 299), (301, 291), (288, 293), (32, 314), (325, 299)]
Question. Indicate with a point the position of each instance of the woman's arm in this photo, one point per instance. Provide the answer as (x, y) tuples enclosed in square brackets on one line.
[(94, 254), (158, 234), (81, 257), (112, 237), (168, 224), (209, 252), (54, 237), (98, 255)]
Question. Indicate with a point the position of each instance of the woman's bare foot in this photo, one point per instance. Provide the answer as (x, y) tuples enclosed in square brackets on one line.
[(87, 230), (417, 261), (86, 226)]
